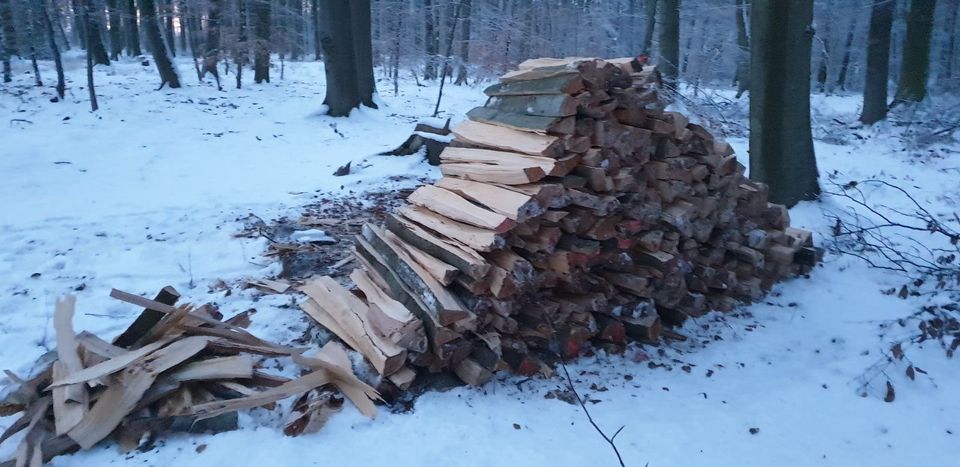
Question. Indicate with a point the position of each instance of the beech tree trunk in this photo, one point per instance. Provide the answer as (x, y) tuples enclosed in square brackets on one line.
[(669, 41), (158, 48), (363, 51), (261, 35), (915, 65), (878, 62), (116, 33), (132, 29), (781, 142), (211, 48), (348, 66)]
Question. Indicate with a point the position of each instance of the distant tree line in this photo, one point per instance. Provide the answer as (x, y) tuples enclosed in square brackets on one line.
[(777, 50)]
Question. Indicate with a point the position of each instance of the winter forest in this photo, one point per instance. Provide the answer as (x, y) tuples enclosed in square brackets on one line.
[(479, 232)]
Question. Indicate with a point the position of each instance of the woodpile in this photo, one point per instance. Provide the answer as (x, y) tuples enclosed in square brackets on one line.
[(176, 368), (572, 209)]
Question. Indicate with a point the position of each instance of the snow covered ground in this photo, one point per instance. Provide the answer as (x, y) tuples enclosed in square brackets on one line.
[(147, 192)]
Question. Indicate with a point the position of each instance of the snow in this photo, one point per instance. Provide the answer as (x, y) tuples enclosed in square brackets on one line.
[(149, 191)]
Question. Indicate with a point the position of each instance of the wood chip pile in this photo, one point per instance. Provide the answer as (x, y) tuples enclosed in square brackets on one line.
[(174, 369), (572, 210)]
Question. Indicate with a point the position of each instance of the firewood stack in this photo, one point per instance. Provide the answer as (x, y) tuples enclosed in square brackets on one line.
[(572, 209)]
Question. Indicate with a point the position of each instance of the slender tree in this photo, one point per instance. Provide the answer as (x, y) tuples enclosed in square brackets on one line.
[(91, 50), (131, 28), (845, 64), (915, 65), (92, 34), (54, 50), (465, 7), (878, 62), (315, 9), (240, 48), (781, 142), (8, 32), (742, 75), (261, 35), (158, 48), (431, 40), (669, 41)]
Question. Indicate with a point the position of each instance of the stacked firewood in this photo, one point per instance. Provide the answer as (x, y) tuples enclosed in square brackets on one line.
[(572, 208), (174, 369)]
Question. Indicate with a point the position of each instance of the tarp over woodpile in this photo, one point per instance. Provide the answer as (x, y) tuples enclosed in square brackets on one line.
[(572, 209)]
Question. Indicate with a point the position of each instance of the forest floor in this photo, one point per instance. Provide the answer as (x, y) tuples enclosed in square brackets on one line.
[(151, 189)]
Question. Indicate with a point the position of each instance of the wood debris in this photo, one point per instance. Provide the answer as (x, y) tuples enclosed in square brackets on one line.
[(175, 367)]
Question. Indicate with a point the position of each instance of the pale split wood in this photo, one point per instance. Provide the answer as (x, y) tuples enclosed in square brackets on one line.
[(296, 386), (93, 344), (233, 367), (334, 359), (493, 136), (108, 367), (448, 250), (121, 397), (514, 205), (388, 316), (270, 285), (505, 174), (70, 402), (444, 304), (477, 238), (502, 158), (452, 205), (441, 271)]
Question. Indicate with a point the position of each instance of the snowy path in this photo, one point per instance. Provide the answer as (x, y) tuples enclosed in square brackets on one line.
[(155, 181)]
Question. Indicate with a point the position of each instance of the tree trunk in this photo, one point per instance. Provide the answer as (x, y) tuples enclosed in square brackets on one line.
[(878, 62), (317, 49), (8, 32), (465, 7), (430, 40), (261, 35), (950, 39), (363, 51), (742, 76), (781, 143), (91, 50), (823, 71), (158, 48), (166, 19), (669, 41), (240, 51), (92, 35), (651, 13), (132, 29), (916, 53), (54, 50), (31, 20), (211, 49), (79, 28), (116, 34), (336, 38), (845, 65)]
